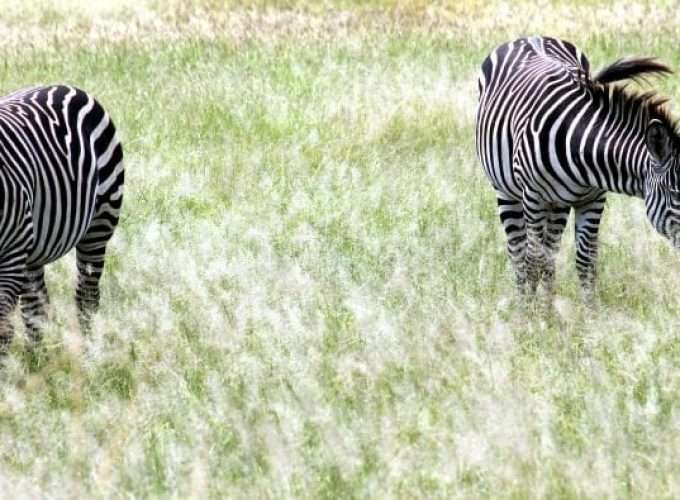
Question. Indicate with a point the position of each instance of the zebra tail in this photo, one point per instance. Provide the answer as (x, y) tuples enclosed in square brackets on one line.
[(631, 69)]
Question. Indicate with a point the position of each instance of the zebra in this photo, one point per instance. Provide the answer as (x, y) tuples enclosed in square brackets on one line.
[(61, 186), (551, 137)]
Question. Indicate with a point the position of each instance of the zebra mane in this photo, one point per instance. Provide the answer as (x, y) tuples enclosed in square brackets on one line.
[(637, 70)]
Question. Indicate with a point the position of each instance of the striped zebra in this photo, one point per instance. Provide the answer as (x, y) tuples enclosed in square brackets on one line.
[(61, 186), (551, 138)]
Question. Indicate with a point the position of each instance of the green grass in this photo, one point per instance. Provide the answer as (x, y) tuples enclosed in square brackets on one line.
[(308, 295)]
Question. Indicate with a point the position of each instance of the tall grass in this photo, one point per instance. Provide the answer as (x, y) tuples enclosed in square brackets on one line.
[(309, 294)]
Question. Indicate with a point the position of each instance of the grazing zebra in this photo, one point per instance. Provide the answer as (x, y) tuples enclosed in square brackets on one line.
[(551, 137), (61, 186)]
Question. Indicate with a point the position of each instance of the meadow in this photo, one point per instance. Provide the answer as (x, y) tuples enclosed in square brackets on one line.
[(308, 294)]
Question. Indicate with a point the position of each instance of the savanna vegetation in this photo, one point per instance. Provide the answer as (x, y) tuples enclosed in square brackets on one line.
[(308, 294)]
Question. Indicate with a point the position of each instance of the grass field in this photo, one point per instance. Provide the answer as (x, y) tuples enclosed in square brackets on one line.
[(309, 294)]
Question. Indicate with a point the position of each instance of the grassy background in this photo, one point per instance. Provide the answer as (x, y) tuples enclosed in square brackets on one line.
[(309, 294)]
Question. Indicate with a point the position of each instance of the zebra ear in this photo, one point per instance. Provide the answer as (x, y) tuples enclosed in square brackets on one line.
[(658, 140)]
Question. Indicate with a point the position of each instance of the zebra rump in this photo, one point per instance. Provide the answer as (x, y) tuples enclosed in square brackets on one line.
[(61, 186)]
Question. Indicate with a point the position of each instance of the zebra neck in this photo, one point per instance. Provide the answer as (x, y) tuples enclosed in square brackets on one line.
[(610, 146)]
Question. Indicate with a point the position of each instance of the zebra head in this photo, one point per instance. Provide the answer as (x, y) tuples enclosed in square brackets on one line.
[(662, 182)]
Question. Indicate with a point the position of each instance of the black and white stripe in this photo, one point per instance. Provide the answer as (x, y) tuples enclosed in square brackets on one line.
[(551, 138), (61, 183)]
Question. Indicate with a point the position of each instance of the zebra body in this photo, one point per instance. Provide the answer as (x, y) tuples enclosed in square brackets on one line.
[(61, 186), (551, 138)]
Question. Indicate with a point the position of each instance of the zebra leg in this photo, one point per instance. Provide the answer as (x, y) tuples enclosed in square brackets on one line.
[(13, 279), (536, 215), (34, 301), (8, 301), (90, 252), (90, 263), (512, 217), (556, 222), (588, 217)]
